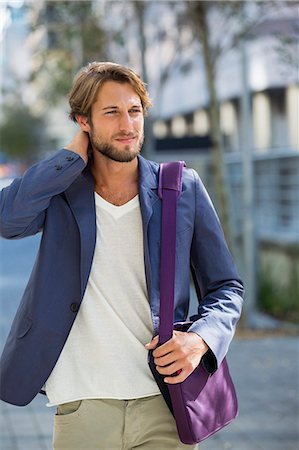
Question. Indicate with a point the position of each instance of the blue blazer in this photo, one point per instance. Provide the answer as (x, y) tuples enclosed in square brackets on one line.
[(56, 197)]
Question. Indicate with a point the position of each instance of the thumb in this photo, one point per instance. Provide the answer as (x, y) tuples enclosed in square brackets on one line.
[(153, 344)]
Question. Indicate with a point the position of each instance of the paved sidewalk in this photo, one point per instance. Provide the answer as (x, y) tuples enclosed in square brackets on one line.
[(265, 372)]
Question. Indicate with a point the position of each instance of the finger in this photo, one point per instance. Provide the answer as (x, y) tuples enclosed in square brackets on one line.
[(164, 349), (182, 375), (172, 369), (172, 344), (167, 359), (152, 344)]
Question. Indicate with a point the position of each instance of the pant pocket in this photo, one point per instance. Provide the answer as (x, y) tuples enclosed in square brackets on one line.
[(66, 409)]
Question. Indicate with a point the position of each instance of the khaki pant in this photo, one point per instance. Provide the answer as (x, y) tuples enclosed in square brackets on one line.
[(144, 423)]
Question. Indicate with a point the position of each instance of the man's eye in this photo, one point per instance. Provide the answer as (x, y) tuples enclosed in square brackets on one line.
[(111, 112), (135, 110)]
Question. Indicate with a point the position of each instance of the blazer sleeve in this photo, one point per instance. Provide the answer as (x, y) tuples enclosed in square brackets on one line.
[(23, 204), (219, 288)]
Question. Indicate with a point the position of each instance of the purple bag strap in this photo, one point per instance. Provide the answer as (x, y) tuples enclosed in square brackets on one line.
[(170, 187)]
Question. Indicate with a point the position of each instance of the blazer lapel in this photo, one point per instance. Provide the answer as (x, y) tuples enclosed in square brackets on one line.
[(80, 196), (148, 187)]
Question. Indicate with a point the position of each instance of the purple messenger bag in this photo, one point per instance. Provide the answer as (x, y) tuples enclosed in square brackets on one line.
[(203, 403)]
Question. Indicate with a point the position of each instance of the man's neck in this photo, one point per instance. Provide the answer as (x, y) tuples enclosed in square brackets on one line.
[(114, 175)]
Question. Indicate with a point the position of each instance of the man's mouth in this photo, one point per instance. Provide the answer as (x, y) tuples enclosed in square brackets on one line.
[(126, 140)]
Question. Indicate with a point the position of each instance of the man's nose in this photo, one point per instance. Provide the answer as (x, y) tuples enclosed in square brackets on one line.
[(125, 122)]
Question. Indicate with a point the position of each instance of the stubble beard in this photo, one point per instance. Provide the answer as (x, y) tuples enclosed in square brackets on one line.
[(127, 154)]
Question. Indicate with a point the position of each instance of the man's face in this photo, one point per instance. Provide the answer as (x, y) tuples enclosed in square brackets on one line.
[(116, 128)]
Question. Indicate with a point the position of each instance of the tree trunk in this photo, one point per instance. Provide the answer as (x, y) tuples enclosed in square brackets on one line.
[(218, 165), (149, 141)]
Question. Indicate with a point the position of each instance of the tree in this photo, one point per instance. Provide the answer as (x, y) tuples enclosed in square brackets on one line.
[(73, 36), (140, 10), (21, 133), (283, 30), (235, 22), (199, 15)]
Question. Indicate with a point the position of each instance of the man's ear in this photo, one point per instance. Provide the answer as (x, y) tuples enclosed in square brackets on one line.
[(83, 123)]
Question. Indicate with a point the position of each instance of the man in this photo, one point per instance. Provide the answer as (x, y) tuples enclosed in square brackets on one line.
[(85, 324)]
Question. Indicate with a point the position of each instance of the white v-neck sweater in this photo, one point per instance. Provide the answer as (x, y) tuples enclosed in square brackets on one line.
[(104, 355)]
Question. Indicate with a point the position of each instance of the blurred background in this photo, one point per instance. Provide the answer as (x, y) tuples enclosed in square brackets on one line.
[(224, 79)]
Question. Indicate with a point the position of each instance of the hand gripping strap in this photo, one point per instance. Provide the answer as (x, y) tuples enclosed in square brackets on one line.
[(170, 187)]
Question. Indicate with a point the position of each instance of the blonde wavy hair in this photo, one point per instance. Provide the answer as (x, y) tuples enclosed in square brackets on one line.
[(91, 77)]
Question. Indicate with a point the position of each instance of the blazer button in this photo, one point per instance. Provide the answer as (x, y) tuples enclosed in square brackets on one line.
[(74, 307), (69, 158), (58, 167)]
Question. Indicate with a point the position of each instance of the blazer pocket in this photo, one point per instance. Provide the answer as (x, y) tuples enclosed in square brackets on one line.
[(24, 327)]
